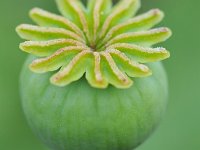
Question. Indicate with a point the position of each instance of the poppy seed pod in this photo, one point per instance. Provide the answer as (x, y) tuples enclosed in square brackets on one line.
[(93, 80)]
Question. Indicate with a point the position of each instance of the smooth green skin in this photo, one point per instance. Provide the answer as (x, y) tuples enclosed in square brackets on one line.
[(79, 117)]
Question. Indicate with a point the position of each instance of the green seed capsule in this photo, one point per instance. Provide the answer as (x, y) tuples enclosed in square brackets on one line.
[(79, 117), (96, 80)]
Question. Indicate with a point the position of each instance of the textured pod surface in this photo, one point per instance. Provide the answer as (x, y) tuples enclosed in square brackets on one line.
[(79, 117)]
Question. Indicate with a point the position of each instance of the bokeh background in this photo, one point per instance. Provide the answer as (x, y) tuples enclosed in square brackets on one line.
[(180, 128)]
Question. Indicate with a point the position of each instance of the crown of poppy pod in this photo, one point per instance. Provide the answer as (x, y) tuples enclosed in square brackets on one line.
[(105, 42)]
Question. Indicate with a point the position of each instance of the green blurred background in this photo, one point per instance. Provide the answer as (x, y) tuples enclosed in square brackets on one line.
[(180, 129)]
